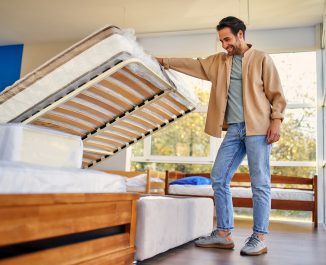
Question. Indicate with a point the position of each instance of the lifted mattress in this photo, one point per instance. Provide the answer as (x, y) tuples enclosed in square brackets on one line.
[(104, 89)]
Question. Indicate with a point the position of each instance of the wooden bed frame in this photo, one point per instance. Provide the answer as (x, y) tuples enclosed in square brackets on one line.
[(243, 180), (151, 187), (68, 228)]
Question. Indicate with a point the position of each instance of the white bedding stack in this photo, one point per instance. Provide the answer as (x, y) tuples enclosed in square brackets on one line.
[(38, 160), (39, 146)]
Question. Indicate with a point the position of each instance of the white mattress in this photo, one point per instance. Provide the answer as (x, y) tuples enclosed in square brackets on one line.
[(20, 178), (63, 75), (238, 192), (165, 222), (277, 194)]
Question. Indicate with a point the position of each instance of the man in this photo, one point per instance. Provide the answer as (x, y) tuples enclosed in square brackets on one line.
[(246, 99)]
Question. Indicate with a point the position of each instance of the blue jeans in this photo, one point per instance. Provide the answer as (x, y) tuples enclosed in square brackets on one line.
[(231, 153)]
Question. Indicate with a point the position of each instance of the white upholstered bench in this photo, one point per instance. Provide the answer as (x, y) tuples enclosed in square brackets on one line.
[(167, 222)]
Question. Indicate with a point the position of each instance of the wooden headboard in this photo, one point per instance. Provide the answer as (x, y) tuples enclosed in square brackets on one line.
[(128, 174)]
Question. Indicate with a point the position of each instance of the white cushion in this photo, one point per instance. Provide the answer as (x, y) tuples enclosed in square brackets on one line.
[(137, 181), (39, 146), (277, 194)]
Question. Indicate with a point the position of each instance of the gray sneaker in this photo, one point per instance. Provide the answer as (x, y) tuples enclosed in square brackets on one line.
[(253, 246), (214, 241)]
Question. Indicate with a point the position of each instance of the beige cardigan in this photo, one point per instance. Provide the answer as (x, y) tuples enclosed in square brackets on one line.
[(263, 97)]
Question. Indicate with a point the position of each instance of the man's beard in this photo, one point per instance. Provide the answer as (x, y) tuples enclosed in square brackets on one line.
[(235, 49)]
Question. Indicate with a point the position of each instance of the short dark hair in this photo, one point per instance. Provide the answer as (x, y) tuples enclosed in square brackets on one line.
[(233, 23)]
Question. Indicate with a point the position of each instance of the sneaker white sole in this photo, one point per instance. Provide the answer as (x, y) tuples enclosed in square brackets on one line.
[(223, 246), (262, 251)]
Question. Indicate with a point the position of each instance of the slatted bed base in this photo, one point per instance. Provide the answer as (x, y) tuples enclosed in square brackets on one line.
[(114, 110)]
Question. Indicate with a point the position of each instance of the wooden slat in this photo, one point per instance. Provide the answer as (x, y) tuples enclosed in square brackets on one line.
[(175, 102), (277, 204), (143, 80), (111, 97), (90, 156), (132, 126), (57, 127), (22, 224), (163, 114), (116, 144), (168, 107), (100, 146), (89, 109), (79, 115), (117, 245), (131, 83), (108, 141), (114, 136), (68, 121), (150, 117), (125, 131), (141, 121), (100, 103), (111, 85)]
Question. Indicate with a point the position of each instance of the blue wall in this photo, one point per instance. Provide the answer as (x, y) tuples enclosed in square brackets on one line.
[(10, 64)]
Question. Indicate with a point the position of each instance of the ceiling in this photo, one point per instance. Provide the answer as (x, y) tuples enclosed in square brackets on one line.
[(37, 21)]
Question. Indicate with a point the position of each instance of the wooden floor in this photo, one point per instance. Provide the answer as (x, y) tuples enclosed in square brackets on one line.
[(288, 244)]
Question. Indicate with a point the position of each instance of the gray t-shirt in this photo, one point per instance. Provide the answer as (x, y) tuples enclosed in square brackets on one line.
[(234, 109)]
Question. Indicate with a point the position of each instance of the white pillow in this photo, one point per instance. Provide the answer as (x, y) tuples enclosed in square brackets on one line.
[(137, 181)]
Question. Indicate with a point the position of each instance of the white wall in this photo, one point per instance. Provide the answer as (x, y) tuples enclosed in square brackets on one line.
[(120, 161), (204, 43), (34, 55)]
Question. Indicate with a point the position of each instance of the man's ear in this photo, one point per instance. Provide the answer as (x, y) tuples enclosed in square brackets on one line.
[(240, 34)]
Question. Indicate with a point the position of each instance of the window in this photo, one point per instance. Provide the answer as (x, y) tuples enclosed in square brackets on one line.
[(297, 147)]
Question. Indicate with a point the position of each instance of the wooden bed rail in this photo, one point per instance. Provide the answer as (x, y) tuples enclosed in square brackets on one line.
[(277, 181)]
